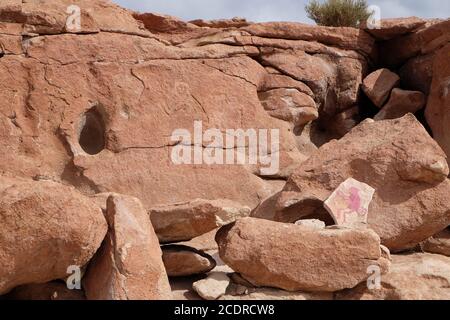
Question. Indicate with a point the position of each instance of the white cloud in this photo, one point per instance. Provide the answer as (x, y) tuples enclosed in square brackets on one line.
[(277, 10)]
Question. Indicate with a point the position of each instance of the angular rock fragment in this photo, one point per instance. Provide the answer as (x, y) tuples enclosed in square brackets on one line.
[(399, 160), (46, 228), (298, 258), (378, 85), (400, 103), (349, 203), (213, 287), (128, 266), (185, 221), (182, 261)]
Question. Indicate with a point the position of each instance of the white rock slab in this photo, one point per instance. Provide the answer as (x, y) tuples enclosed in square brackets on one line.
[(349, 203)]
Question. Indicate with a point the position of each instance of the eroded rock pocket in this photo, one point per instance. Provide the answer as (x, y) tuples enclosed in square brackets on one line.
[(92, 132)]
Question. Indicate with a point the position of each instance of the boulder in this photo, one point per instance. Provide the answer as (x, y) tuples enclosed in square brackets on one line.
[(129, 264), (46, 228), (419, 276), (299, 258), (378, 85), (181, 261), (400, 103), (397, 158), (437, 111), (185, 221), (439, 243), (212, 287)]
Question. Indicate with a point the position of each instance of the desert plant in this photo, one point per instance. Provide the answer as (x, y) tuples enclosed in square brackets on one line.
[(338, 13)]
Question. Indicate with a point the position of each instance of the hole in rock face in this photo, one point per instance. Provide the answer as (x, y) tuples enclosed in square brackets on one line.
[(92, 133)]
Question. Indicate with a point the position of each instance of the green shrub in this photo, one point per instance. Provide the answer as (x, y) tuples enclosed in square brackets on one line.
[(338, 13)]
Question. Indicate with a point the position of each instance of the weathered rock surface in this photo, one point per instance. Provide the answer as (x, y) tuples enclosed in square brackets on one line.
[(289, 105), (378, 85), (429, 38), (46, 227), (393, 28), (412, 277), (297, 258), (95, 107), (438, 107), (439, 243), (274, 294), (213, 287), (399, 160), (400, 103), (182, 261), (185, 221), (128, 266)]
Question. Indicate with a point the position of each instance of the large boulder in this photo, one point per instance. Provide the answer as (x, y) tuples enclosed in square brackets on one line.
[(438, 107), (46, 228), (399, 160), (412, 277), (299, 258), (129, 264)]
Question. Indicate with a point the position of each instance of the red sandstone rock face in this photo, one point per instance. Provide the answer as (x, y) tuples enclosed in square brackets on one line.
[(95, 108)]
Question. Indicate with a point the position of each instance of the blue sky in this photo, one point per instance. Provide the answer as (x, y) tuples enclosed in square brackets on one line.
[(277, 10)]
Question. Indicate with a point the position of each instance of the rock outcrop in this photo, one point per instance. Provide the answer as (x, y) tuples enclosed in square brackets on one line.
[(399, 160), (173, 129)]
